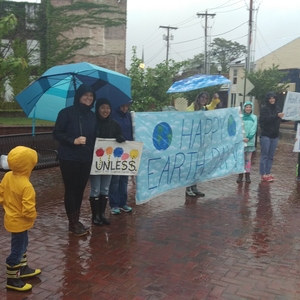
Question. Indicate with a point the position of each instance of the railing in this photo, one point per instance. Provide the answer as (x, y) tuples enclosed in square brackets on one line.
[(44, 143)]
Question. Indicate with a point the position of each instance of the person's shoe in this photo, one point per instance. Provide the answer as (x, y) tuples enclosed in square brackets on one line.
[(189, 192), (26, 272), (115, 211), (196, 191), (240, 178), (271, 177), (266, 178), (126, 208)]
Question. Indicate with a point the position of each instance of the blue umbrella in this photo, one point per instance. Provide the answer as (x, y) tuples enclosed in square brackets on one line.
[(197, 82), (55, 89)]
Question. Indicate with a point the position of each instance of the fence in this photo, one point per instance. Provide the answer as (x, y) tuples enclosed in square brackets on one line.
[(44, 143)]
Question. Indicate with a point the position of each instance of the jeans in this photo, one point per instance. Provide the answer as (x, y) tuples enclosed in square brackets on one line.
[(118, 191), (75, 176), (19, 243), (267, 148), (99, 185)]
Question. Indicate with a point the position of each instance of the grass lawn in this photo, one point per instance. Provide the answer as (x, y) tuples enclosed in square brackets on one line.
[(19, 121)]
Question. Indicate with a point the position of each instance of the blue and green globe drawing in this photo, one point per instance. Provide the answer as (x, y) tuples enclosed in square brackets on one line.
[(162, 136), (231, 126)]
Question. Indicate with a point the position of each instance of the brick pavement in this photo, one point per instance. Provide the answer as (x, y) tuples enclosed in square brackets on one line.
[(239, 242)]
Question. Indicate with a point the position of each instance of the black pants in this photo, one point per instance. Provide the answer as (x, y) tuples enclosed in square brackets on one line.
[(75, 176)]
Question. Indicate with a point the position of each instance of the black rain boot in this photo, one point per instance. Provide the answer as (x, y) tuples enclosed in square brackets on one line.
[(25, 271), (240, 178), (103, 202), (79, 223), (248, 180), (196, 191), (74, 226), (95, 208), (13, 281)]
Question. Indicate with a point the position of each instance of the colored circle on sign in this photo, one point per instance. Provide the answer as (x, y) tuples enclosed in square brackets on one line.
[(162, 136)]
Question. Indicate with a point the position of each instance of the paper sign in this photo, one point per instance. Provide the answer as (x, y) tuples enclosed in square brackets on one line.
[(291, 108), (297, 143), (112, 158)]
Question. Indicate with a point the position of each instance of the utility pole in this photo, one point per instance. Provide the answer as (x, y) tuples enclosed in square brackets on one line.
[(206, 66), (167, 38), (248, 58)]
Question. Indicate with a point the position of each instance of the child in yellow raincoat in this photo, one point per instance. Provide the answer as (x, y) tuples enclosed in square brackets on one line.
[(17, 196)]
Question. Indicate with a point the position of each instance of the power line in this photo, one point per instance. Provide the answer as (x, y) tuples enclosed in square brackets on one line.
[(167, 38)]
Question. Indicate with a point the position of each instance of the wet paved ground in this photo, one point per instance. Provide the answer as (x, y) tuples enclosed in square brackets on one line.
[(239, 242)]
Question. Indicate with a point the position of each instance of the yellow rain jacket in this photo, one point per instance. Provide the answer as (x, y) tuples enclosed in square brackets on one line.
[(17, 194), (214, 102)]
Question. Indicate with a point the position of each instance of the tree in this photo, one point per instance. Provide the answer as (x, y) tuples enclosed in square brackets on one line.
[(223, 52), (264, 81), (56, 23), (149, 86), (9, 61), (50, 27)]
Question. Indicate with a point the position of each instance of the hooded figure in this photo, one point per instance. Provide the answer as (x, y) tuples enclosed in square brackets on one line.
[(106, 128), (250, 128), (75, 130), (17, 196), (270, 119)]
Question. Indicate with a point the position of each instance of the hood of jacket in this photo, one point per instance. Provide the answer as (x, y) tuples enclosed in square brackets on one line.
[(83, 88), (99, 102), (268, 96), (245, 104), (22, 160)]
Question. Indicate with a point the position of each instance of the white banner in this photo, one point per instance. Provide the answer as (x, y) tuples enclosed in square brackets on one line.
[(297, 144), (291, 108), (112, 158)]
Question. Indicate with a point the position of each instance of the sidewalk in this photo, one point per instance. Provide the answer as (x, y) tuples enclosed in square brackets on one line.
[(239, 242)]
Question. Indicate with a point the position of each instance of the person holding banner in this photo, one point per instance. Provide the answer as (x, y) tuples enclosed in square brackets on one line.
[(200, 103), (270, 118), (118, 184), (75, 130), (106, 128), (250, 127)]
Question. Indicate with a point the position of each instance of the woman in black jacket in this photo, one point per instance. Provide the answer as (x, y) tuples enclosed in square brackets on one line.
[(106, 128), (270, 119), (75, 129)]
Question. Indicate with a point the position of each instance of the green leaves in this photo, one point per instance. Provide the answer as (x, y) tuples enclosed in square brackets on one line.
[(149, 86), (264, 81)]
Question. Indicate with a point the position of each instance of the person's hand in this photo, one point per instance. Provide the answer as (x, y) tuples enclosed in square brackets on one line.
[(120, 139), (216, 95), (281, 115), (80, 140), (246, 140)]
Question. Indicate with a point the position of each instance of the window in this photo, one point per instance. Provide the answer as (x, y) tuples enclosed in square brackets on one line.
[(233, 100)]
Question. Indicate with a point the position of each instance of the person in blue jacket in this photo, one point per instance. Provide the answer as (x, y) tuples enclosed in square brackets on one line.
[(118, 183), (250, 128), (75, 130)]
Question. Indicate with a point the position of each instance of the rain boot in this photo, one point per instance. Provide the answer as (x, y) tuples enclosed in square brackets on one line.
[(248, 180), (240, 178), (196, 191), (14, 281), (25, 271), (74, 226), (103, 202), (79, 223), (189, 192), (95, 208)]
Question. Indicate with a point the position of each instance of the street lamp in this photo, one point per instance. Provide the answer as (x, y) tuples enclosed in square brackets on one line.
[(219, 68)]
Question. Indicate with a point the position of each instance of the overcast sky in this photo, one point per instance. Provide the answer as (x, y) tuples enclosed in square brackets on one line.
[(278, 22)]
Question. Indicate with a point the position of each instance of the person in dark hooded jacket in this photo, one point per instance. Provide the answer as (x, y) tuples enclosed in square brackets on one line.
[(106, 128), (119, 183), (270, 118), (75, 131)]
